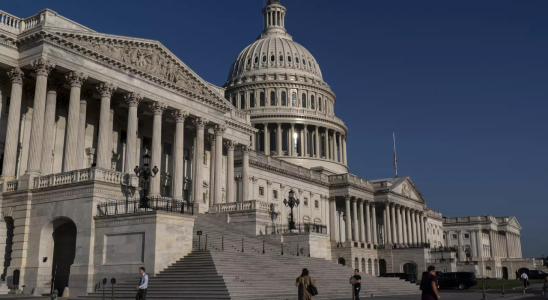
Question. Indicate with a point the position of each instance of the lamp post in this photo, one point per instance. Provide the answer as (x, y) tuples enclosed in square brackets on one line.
[(146, 173), (291, 203)]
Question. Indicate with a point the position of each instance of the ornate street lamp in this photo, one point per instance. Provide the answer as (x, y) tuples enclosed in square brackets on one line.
[(291, 203), (146, 173)]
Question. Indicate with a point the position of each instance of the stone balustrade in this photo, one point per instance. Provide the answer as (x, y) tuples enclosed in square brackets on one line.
[(11, 186), (82, 175), (17, 25), (301, 111), (286, 166), (242, 206), (350, 178)]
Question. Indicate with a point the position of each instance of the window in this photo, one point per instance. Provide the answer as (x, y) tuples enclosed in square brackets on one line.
[(204, 197), (281, 58), (444, 236), (275, 194), (242, 101), (320, 104), (205, 159), (309, 64), (312, 102), (272, 58), (284, 99), (234, 100), (261, 191), (262, 100), (252, 100), (256, 59), (264, 58), (272, 99), (296, 59), (289, 59), (294, 99), (249, 61), (304, 62), (316, 204), (466, 236), (454, 236), (303, 101), (305, 201)]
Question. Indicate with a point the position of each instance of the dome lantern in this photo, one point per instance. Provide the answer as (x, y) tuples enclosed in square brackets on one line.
[(274, 18)]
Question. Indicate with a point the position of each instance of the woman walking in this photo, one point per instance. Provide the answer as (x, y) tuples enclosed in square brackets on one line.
[(303, 282)]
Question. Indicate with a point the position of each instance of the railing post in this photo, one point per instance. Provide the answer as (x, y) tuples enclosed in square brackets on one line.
[(263, 246), (242, 244), (206, 242), (297, 249), (282, 248)]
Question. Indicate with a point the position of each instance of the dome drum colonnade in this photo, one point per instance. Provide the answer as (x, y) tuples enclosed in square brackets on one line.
[(279, 83), (74, 156)]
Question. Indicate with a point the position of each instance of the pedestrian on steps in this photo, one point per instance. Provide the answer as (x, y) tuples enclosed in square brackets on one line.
[(357, 284), (143, 285), (303, 282), (429, 285)]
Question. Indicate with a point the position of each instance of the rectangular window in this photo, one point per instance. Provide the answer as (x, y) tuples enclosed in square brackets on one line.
[(454, 236), (316, 204), (252, 100), (261, 191), (466, 236), (305, 201), (275, 194)]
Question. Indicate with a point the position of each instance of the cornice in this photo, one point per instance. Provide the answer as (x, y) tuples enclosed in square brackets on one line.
[(191, 86), (283, 172), (334, 186), (292, 116), (239, 126)]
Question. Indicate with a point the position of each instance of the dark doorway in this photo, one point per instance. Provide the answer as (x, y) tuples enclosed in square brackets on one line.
[(382, 267), (505, 273), (410, 268), (342, 261), (64, 250)]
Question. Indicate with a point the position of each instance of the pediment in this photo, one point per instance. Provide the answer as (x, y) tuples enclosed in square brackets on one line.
[(406, 188), (514, 223), (146, 58)]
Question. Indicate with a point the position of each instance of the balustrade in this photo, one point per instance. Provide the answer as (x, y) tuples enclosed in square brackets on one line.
[(241, 206)]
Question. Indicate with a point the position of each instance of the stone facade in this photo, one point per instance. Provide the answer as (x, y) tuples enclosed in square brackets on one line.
[(80, 109)]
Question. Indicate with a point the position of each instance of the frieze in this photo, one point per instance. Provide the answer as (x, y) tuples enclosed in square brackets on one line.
[(8, 42), (258, 115), (289, 84), (144, 59), (96, 192), (283, 172)]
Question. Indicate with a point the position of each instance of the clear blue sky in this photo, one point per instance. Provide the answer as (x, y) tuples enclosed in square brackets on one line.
[(463, 83)]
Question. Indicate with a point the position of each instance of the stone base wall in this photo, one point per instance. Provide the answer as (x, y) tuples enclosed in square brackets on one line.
[(309, 244), (251, 221), (396, 258), (365, 260)]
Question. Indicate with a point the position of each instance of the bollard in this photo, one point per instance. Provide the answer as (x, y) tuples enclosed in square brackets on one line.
[(104, 284), (113, 282), (263, 246), (242, 244), (282, 248), (297, 249), (206, 243), (223, 243)]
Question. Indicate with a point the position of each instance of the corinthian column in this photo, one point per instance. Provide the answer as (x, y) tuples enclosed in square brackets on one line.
[(245, 173), (132, 101), (374, 223), (198, 183), (279, 139), (230, 171), (81, 159), (332, 219), (355, 220), (340, 155), (409, 228), (104, 149), (345, 160), (12, 133), (49, 126), (326, 142), (387, 230), (70, 161), (367, 222), (178, 157), (157, 108), (42, 68), (219, 131), (317, 143), (292, 140), (361, 221), (348, 220), (212, 152), (305, 141)]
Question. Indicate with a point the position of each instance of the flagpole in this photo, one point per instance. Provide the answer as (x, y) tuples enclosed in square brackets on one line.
[(395, 157)]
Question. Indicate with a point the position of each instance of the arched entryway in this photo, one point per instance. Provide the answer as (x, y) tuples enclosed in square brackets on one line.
[(364, 267), (342, 261), (57, 251), (382, 267), (370, 267), (356, 263), (505, 273), (523, 270), (411, 268)]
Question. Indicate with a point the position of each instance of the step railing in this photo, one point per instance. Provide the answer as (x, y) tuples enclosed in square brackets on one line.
[(299, 228), (132, 206)]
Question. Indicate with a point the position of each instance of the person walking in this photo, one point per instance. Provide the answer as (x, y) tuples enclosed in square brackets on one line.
[(545, 288), (525, 280), (357, 284), (429, 285), (303, 282), (143, 285)]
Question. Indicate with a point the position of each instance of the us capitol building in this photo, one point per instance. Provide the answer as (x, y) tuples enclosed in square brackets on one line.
[(80, 110)]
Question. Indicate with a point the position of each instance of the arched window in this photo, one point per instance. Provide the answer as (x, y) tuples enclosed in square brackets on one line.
[(256, 59), (312, 106), (320, 104), (272, 58), (242, 101), (264, 58), (281, 58), (234, 100), (252, 100), (289, 59), (262, 100), (294, 99), (296, 59), (304, 62), (272, 99), (249, 61), (303, 101), (284, 99)]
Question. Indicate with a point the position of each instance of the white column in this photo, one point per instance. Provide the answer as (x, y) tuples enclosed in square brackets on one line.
[(81, 156), (473, 246), (291, 151), (462, 256), (266, 139), (413, 232), (326, 147), (480, 243), (157, 108), (405, 222), (387, 224), (245, 173), (279, 139), (400, 224), (421, 225), (417, 229), (212, 152), (394, 230), (230, 190), (344, 151), (42, 68), (12, 132), (305, 141), (491, 243), (198, 183), (340, 155), (49, 126), (355, 220), (361, 220), (104, 151), (317, 143), (332, 219), (303, 147), (132, 101), (348, 219), (332, 149), (367, 222), (178, 155), (374, 224), (70, 162), (219, 131), (409, 228)]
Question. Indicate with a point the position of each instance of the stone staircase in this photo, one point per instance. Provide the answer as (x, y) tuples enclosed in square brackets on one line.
[(233, 274)]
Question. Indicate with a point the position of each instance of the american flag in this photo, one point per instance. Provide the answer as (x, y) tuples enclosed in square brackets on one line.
[(395, 158)]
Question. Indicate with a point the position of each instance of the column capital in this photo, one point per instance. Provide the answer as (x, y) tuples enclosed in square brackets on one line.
[(54, 85), (279, 125), (16, 75), (347, 197), (292, 125), (133, 99), (106, 89), (269, 183), (245, 149), (219, 129), (332, 198), (157, 107), (230, 145), (200, 123), (42, 66), (76, 78), (360, 200), (211, 139)]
